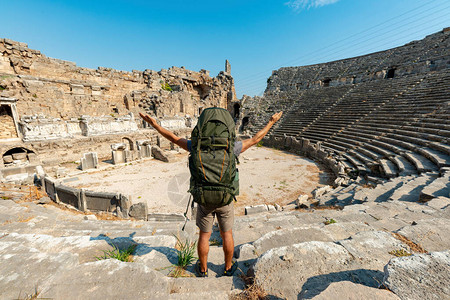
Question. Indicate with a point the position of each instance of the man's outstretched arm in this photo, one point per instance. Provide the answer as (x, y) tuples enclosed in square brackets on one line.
[(259, 136), (165, 133)]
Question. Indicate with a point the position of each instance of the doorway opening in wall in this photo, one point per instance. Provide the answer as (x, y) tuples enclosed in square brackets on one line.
[(326, 82), (244, 124), (16, 156), (129, 143), (7, 124), (390, 73), (236, 110)]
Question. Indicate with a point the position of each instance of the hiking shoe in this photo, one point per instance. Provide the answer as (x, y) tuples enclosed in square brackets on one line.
[(198, 271), (230, 271)]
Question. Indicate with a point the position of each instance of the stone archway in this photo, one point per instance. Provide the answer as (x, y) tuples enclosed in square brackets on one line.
[(236, 110), (244, 124), (18, 156), (128, 142)]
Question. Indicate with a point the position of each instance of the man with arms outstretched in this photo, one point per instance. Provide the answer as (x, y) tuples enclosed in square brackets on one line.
[(225, 214)]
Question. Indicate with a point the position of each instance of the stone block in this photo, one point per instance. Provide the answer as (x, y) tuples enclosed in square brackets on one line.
[(271, 208), (166, 217), (68, 195), (321, 191), (129, 155), (33, 158), (350, 290), (296, 144), (302, 201), (101, 201), (305, 144), (139, 211), (255, 209), (145, 151), (50, 188), (118, 157), (89, 161), (118, 146), (40, 172), (321, 154), (159, 154), (77, 89), (19, 156), (61, 172), (44, 200), (7, 159), (420, 276)]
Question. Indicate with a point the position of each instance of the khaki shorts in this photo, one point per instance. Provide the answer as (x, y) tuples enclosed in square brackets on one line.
[(225, 217)]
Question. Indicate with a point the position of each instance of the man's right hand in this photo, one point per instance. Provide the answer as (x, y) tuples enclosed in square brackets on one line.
[(276, 117), (148, 119)]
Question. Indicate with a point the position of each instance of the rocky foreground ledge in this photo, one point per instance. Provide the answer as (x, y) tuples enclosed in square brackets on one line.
[(374, 250)]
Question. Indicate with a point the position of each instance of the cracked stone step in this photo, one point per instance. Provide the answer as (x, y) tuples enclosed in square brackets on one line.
[(439, 187), (411, 190)]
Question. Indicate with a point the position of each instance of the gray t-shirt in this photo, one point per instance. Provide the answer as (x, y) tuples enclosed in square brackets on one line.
[(237, 147)]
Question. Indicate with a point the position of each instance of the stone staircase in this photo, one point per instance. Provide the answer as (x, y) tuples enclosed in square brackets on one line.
[(290, 253)]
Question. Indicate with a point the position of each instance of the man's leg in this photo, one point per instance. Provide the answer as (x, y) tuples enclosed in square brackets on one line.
[(204, 220), (203, 249), (228, 247)]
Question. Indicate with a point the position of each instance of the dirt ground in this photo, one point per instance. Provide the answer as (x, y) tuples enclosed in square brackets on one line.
[(266, 176)]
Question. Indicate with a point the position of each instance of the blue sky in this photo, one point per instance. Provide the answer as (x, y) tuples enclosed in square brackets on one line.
[(255, 36)]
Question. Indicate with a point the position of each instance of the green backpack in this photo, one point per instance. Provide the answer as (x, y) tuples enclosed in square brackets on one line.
[(212, 162)]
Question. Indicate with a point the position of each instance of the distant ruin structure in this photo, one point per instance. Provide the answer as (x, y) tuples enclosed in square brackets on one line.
[(59, 111), (384, 114)]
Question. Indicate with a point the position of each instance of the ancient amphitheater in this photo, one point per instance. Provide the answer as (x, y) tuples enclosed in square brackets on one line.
[(372, 222)]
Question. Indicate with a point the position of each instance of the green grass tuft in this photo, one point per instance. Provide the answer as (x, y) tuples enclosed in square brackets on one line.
[(186, 255), (329, 221), (186, 252), (400, 253), (116, 253), (165, 86)]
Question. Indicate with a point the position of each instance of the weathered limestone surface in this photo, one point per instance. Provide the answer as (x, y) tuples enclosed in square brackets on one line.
[(159, 154), (66, 90), (293, 254), (351, 291), (420, 276)]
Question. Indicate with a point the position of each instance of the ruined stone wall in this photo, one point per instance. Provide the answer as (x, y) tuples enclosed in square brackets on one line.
[(291, 88), (7, 126), (429, 54), (60, 89), (62, 111)]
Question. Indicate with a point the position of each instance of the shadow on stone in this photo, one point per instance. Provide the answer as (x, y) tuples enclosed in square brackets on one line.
[(317, 284), (122, 243)]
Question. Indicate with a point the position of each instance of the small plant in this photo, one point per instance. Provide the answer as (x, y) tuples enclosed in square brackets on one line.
[(400, 253), (251, 291), (186, 255), (329, 221), (2, 88), (6, 197), (185, 252), (165, 86), (260, 144), (33, 296), (116, 253), (34, 96)]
